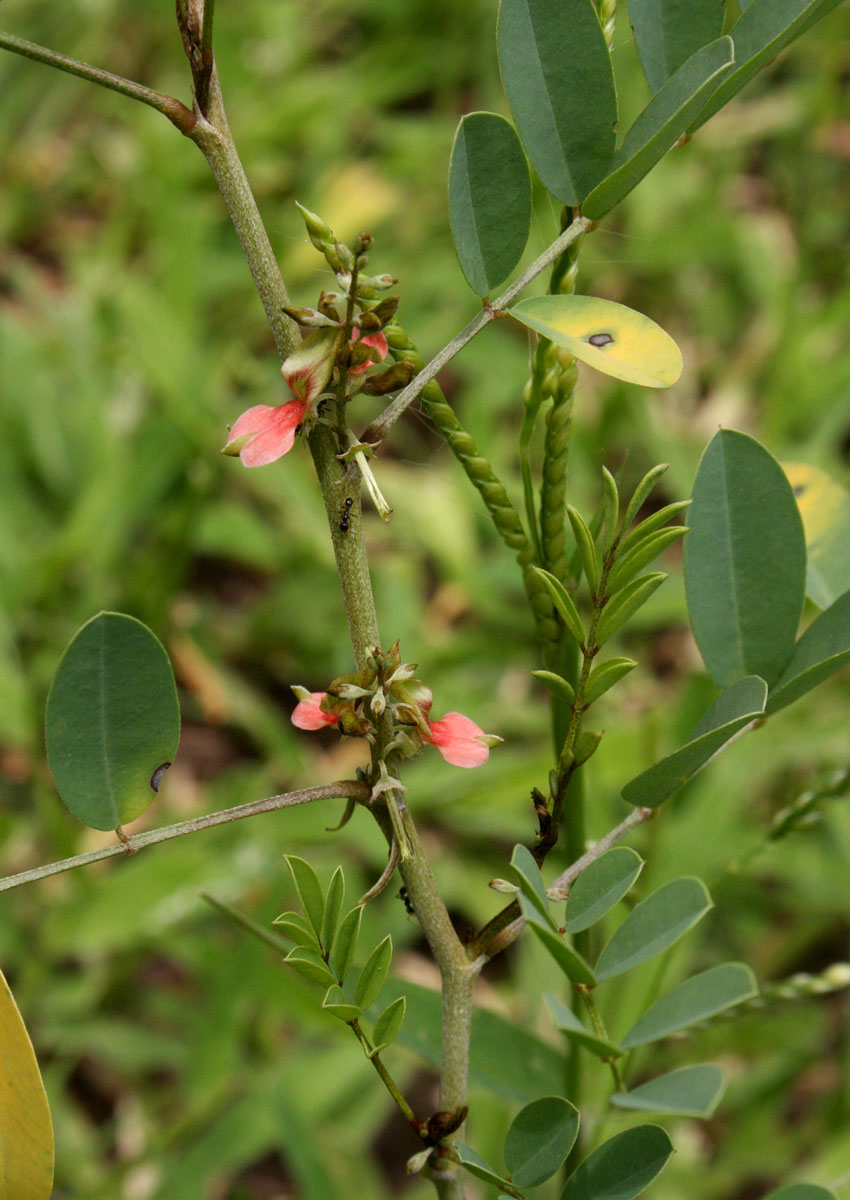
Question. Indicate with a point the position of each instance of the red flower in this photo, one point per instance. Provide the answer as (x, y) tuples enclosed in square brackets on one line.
[(308, 713), (460, 741), (376, 341), (265, 433)]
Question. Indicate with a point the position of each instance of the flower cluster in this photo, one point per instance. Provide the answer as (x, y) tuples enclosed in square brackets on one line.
[(353, 700)]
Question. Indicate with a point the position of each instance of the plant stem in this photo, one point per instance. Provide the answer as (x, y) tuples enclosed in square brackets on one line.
[(177, 113), (387, 1079), (346, 788)]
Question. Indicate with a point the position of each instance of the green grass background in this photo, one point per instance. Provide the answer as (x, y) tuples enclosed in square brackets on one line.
[(181, 1060)]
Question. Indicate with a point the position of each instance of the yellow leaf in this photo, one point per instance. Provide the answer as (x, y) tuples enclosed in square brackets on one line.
[(825, 508), (26, 1133), (607, 336)]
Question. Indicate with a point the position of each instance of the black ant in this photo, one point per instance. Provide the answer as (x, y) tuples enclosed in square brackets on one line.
[(343, 525), (405, 899)]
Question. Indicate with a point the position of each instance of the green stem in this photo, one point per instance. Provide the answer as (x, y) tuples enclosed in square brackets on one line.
[(387, 1079)]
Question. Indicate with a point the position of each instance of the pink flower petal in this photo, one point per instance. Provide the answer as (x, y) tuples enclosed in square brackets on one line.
[(308, 714), (378, 342), (459, 740), (276, 436), (253, 420)]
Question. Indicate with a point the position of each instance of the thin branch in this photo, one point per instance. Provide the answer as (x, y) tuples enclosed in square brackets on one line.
[(386, 876), (635, 818), (177, 113), (346, 788), (380, 426)]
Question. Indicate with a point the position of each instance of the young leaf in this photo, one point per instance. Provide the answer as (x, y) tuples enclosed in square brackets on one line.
[(389, 1023), (309, 891), (642, 491), (604, 675), (663, 121), (608, 336), (564, 603), (113, 721), (693, 1001), (668, 33), (652, 522), (763, 28), (568, 960), (374, 974), (556, 684), (641, 555), (558, 78), (475, 1165), (622, 1167), (489, 199), (345, 944), (745, 561), (610, 510), (26, 1132), (625, 603), (740, 704), (539, 1139), (585, 543), (823, 648), (568, 1023), (600, 886), (297, 928), (333, 906), (337, 1004), (527, 874), (825, 508), (657, 922), (310, 964), (688, 1092)]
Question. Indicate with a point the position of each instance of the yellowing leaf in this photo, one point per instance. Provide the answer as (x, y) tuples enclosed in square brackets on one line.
[(26, 1133), (608, 336), (825, 508)]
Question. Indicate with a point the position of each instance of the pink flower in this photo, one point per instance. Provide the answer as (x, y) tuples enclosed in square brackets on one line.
[(308, 713), (460, 741), (376, 341), (265, 433), (308, 371)]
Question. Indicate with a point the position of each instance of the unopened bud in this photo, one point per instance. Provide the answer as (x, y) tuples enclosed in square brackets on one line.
[(344, 255), (393, 379), (379, 702), (504, 887), (417, 1161), (318, 230), (309, 318)]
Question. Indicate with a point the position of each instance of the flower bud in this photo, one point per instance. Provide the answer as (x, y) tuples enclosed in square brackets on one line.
[(309, 318), (318, 230), (393, 379), (379, 702), (504, 887), (309, 369)]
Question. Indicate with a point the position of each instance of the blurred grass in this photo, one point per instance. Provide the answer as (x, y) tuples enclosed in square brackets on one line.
[(181, 1060)]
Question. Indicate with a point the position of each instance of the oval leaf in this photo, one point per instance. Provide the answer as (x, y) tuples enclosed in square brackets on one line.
[(113, 721), (569, 960), (477, 1166), (621, 1167), (657, 922), (823, 648), (689, 1092), (333, 906), (309, 891), (600, 886), (625, 603), (731, 711), (568, 1023), (557, 75), (26, 1132), (564, 603), (745, 561), (641, 554), (539, 1139), (668, 32), (825, 508), (608, 336), (345, 944), (374, 974), (389, 1023), (310, 964), (527, 874), (489, 199), (297, 928), (693, 1001), (337, 1004), (604, 675)]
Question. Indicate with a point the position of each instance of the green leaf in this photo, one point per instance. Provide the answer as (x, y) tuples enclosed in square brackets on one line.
[(113, 721), (556, 684), (740, 704), (823, 648), (641, 555), (339, 1006), (802, 1191), (568, 1023), (610, 510), (657, 922), (297, 928), (663, 121), (557, 74), (309, 891), (604, 675), (745, 561), (693, 1001), (372, 978), (625, 603), (26, 1131), (759, 34), (600, 886), (568, 960), (310, 964), (669, 32), (636, 349), (389, 1023), (825, 508), (527, 874), (642, 491), (585, 543), (564, 603), (652, 522), (539, 1139), (621, 1167), (489, 199), (333, 906), (688, 1092), (475, 1165), (345, 944)]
